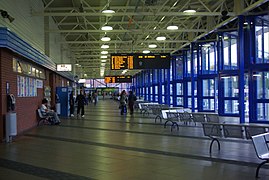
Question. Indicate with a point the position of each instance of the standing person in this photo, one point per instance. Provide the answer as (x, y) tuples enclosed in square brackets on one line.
[(95, 98), (123, 102), (72, 104), (48, 112), (90, 97), (131, 99), (81, 102)]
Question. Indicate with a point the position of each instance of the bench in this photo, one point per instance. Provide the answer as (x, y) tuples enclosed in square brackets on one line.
[(43, 119), (216, 131), (260, 143)]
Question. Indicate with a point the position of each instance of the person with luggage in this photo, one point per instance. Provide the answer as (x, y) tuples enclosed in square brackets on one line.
[(123, 102), (80, 100)]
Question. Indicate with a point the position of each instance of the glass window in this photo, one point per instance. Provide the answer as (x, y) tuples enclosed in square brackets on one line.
[(262, 40), (208, 87), (179, 89), (171, 89), (263, 111), (189, 88), (231, 86), (179, 68), (163, 90), (208, 104), (262, 85), (230, 60), (163, 99), (156, 90), (231, 106), (179, 101)]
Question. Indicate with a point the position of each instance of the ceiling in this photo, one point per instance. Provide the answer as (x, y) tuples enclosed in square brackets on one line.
[(136, 24)]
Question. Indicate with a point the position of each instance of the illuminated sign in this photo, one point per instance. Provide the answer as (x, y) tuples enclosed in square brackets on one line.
[(64, 67), (118, 79), (140, 61)]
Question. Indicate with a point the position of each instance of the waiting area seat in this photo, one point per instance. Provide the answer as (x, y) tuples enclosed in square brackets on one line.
[(43, 120), (260, 143)]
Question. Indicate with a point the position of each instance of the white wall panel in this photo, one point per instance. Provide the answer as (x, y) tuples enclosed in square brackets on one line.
[(31, 28)]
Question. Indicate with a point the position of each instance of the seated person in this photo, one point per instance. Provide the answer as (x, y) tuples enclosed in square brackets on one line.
[(47, 112)]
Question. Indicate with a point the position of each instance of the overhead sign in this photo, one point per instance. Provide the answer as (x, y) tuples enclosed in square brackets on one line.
[(64, 67), (118, 79), (140, 61)]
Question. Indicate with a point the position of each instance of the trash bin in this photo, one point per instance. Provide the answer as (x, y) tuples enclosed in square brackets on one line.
[(11, 125)]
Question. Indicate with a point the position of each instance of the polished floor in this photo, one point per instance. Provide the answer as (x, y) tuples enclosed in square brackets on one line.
[(106, 145)]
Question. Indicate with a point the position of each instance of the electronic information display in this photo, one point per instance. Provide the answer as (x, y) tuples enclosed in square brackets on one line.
[(118, 79), (140, 61)]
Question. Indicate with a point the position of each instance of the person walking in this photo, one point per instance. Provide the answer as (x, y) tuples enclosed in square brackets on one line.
[(72, 104), (123, 102), (131, 99), (81, 102)]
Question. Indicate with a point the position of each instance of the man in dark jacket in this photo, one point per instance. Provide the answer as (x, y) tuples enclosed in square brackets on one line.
[(81, 101), (131, 99)]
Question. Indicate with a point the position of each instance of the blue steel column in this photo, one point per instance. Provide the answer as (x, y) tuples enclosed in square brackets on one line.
[(159, 86), (241, 54), (192, 79), (149, 84)]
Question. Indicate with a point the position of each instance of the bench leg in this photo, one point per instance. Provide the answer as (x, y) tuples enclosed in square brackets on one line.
[(174, 124), (158, 117), (211, 144), (167, 122), (258, 168)]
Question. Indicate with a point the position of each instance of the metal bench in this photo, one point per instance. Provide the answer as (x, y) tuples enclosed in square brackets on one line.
[(43, 119), (217, 131), (260, 143)]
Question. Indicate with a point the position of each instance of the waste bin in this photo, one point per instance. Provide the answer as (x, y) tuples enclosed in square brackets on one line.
[(11, 125)]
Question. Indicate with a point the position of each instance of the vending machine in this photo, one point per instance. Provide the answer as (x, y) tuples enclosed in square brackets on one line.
[(63, 94)]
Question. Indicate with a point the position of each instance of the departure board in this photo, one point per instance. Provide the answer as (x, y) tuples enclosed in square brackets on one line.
[(140, 61), (121, 61), (118, 79)]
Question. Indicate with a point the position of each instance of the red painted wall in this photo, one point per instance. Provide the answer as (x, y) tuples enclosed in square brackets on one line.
[(25, 106)]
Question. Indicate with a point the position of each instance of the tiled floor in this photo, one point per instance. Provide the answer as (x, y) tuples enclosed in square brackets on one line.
[(106, 145)]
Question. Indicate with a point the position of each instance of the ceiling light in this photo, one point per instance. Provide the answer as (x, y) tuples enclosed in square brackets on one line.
[(172, 27), (162, 18), (161, 38), (146, 51), (103, 60), (107, 28), (104, 52), (105, 46), (103, 64), (105, 38), (155, 27), (189, 10), (108, 11), (103, 57), (152, 46), (206, 45)]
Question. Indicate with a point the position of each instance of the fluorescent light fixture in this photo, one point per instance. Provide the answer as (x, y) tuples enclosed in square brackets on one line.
[(225, 77), (107, 28), (146, 51), (85, 74), (104, 52), (108, 11), (172, 27), (161, 38), (124, 71), (162, 18), (155, 27), (226, 38), (103, 57), (105, 46), (105, 38), (189, 11), (103, 60), (152, 46), (77, 64), (245, 23), (257, 75), (147, 36), (103, 64)]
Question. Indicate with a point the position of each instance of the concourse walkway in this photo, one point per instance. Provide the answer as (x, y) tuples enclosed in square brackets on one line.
[(106, 145)]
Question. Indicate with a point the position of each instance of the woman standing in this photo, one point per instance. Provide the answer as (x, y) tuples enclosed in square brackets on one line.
[(131, 99), (123, 102)]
